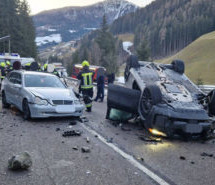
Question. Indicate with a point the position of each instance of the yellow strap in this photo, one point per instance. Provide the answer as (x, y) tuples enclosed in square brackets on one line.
[(86, 85)]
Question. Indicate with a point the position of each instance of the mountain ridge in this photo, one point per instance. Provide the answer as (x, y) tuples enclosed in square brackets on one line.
[(73, 22)]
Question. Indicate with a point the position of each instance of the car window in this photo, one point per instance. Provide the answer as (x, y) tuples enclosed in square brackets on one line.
[(18, 79), (32, 80), (12, 77), (15, 78)]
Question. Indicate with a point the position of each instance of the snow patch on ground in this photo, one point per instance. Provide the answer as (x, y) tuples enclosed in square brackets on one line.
[(126, 46), (90, 28), (120, 79), (52, 30), (72, 31), (51, 38)]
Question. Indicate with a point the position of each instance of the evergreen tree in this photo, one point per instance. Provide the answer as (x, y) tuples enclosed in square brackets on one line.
[(16, 22), (143, 51), (106, 43)]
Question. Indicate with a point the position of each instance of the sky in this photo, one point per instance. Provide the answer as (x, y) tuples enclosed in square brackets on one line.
[(41, 5)]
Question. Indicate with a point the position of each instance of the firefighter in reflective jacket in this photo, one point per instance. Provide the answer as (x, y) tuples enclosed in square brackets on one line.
[(2, 70), (86, 85), (9, 66)]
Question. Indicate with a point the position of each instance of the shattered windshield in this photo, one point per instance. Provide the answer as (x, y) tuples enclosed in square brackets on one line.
[(42, 81)]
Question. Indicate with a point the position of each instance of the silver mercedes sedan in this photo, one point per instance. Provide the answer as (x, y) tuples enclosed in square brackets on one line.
[(39, 95)]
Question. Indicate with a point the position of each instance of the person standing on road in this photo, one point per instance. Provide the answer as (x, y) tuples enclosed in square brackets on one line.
[(111, 78), (100, 85), (3, 70), (86, 85)]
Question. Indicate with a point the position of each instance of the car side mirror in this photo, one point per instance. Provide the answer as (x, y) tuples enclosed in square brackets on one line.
[(18, 86)]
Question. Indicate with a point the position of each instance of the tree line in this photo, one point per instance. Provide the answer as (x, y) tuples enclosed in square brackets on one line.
[(168, 25), (15, 20), (99, 47)]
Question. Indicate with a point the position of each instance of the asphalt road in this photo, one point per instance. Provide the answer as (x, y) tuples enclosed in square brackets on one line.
[(118, 155)]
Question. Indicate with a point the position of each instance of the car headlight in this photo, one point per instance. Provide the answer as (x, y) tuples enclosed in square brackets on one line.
[(40, 101), (76, 102)]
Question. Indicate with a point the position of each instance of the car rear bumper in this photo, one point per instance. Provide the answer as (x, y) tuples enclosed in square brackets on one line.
[(191, 128), (42, 111)]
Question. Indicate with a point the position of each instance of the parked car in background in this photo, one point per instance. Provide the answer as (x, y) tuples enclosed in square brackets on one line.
[(164, 98), (39, 95)]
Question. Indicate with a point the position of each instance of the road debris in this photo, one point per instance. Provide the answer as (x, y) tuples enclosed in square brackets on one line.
[(87, 139), (182, 158), (110, 140), (20, 162), (204, 154), (75, 148), (72, 123), (83, 119), (57, 129), (192, 162), (141, 159), (125, 129), (72, 133), (150, 139), (85, 150), (88, 172)]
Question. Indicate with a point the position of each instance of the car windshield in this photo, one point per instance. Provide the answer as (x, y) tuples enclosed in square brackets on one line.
[(42, 81)]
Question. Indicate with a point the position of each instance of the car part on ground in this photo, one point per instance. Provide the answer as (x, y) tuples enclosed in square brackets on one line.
[(164, 98)]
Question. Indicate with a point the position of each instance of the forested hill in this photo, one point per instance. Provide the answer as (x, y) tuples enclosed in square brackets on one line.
[(168, 25), (16, 22)]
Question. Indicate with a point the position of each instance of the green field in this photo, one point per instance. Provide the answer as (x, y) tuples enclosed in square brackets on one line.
[(199, 58), (126, 37)]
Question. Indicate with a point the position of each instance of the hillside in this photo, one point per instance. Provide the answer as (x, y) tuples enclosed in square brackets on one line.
[(168, 25), (199, 57), (71, 23)]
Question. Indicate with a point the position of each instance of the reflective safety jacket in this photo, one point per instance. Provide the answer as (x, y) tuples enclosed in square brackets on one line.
[(86, 77), (2, 72)]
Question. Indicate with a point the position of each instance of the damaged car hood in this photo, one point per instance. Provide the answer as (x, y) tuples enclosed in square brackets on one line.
[(52, 93)]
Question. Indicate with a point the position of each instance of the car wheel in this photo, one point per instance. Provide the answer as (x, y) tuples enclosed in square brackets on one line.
[(26, 110), (4, 101), (178, 66), (150, 97), (212, 103)]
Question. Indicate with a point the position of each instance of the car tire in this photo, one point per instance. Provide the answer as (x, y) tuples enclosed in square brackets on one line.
[(5, 104), (132, 62), (212, 103), (178, 66), (26, 110), (151, 96)]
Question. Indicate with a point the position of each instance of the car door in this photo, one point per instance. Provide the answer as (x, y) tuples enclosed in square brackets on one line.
[(8, 88), (122, 99), (17, 89)]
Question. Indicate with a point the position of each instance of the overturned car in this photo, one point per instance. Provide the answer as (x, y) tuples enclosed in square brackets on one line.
[(164, 98)]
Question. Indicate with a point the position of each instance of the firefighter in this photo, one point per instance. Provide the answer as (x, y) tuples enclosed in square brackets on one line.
[(9, 66), (2, 70), (45, 66), (27, 66), (39, 67), (86, 85)]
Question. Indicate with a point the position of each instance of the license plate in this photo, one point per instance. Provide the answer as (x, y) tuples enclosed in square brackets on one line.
[(65, 109), (193, 128)]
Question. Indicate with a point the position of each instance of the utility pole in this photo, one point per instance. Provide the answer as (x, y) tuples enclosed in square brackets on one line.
[(6, 38)]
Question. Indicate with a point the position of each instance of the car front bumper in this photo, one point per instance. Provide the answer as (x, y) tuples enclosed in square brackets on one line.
[(45, 111)]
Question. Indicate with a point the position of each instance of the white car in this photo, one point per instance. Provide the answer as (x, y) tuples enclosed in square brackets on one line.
[(39, 95)]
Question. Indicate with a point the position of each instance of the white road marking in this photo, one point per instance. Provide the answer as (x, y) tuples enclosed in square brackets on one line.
[(130, 158)]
